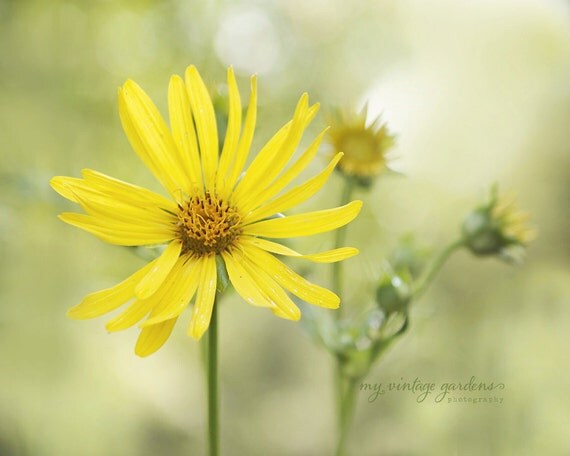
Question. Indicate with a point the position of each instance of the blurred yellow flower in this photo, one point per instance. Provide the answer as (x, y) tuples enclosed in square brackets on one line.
[(498, 228), (365, 147), (214, 210)]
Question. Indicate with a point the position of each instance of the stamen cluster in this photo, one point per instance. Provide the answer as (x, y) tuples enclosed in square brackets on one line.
[(207, 225)]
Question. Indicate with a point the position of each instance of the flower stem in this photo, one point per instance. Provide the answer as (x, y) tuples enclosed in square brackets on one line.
[(212, 369), (340, 236), (339, 391), (344, 402), (346, 412), (434, 267)]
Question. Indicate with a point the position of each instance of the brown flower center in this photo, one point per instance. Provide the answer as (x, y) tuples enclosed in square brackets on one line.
[(207, 225)]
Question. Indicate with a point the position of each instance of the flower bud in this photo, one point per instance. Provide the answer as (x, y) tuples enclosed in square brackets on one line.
[(394, 291), (497, 228)]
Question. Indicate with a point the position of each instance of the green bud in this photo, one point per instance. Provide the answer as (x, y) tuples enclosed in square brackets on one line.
[(482, 234), (497, 228), (393, 292)]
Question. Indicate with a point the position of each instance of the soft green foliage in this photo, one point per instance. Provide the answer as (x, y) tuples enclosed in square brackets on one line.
[(476, 93)]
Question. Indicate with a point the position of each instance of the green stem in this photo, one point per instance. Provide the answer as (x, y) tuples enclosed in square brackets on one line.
[(213, 424), (340, 380), (340, 236), (434, 268), (339, 390), (347, 406)]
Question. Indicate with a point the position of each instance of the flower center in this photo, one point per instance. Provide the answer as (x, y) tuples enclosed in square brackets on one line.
[(207, 225), (361, 147)]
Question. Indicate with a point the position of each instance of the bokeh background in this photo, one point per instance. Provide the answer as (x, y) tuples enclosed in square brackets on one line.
[(477, 92)]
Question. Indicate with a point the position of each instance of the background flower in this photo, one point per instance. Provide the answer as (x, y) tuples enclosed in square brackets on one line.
[(477, 93), (365, 142)]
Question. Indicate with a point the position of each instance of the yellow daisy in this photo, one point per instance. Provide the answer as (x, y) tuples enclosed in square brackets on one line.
[(365, 146), (214, 209)]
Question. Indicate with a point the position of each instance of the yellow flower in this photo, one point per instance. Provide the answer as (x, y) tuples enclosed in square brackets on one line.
[(365, 146), (214, 210), (498, 228)]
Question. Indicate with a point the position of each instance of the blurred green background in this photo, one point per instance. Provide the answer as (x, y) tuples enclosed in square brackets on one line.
[(477, 92)]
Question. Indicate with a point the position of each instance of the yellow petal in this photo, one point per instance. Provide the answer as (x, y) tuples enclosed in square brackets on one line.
[(284, 306), (294, 196), (204, 303), (155, 277), (258, 288), (101, 302), (114, 209), (246, 138), (131, 316), (305, 224), (301, 119), (292, 281), (124, 191), (244, 187), (282, 181), (329, 256), (119, 233), (205, 120), (150, 137), (181, 286), (332, 256), (183, 133), (244, 283), (275, 164), (274, 155), (154, 337), (232, 135), (64, 186)]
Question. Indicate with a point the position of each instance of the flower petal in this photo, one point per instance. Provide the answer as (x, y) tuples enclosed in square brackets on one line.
[(104, 301), (305, 224), (205, 298), (104, 192), (294, 196), (153, 304), (244, 283), (182, 285), (246, 138), (155, 277), (284, 306), (292, 281), (282, 181), (150, 137), (268, 178), (329, 256), (119, 233), (154, 337), (276, 153), (205, 120), (232, 135), (64, 186), (183, 133), (134, 194), (116, 209), (131, 315)]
